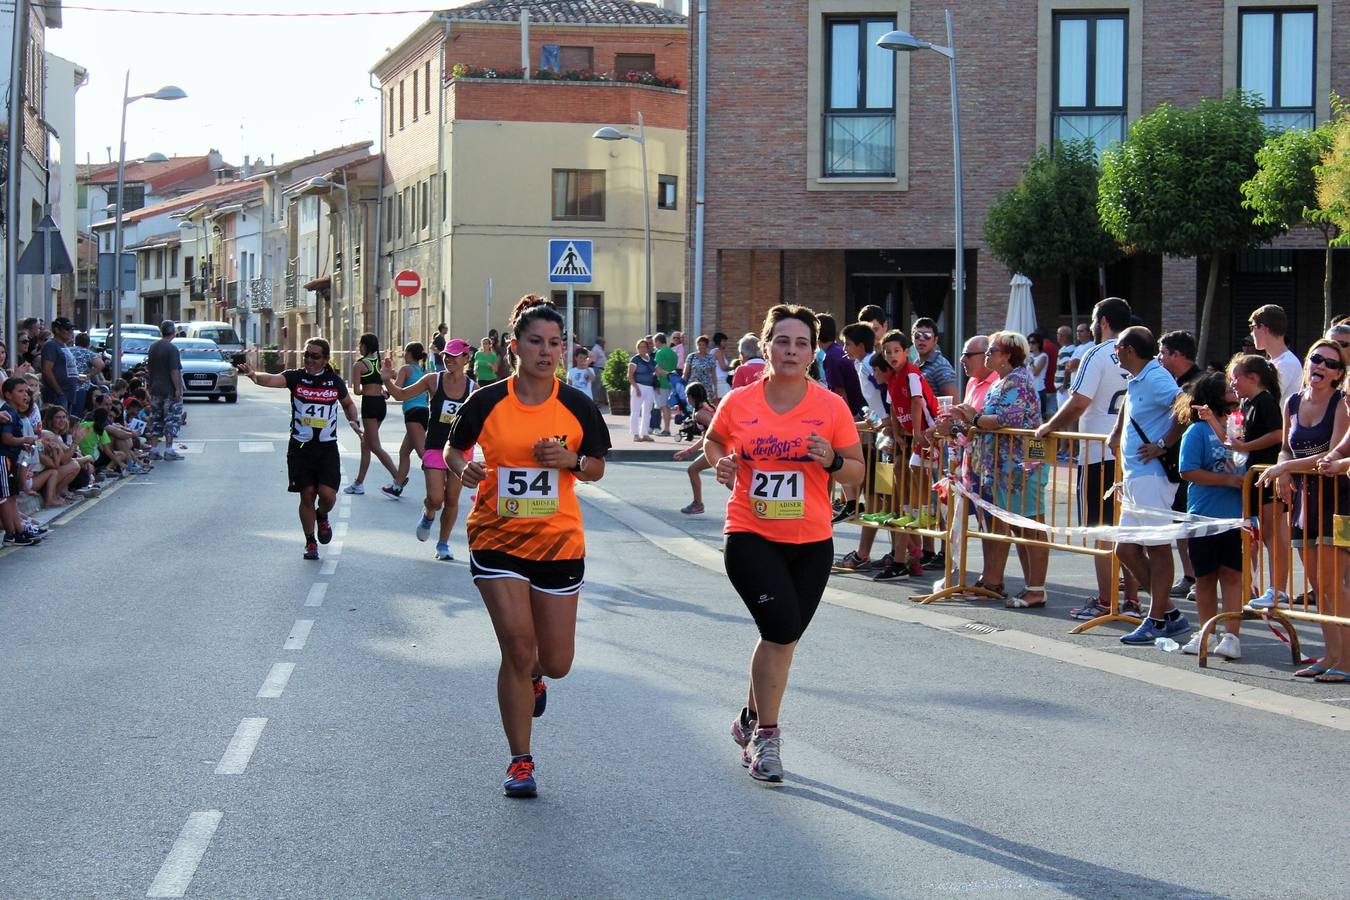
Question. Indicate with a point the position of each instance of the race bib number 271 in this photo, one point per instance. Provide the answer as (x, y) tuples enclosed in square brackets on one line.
[(777, 495), (527, 493)]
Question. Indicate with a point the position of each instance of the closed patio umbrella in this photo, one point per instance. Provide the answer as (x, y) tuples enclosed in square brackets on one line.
[(1021, 308)]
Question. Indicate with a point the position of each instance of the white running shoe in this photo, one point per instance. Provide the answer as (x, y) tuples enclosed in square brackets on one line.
[(354, 489), (1229, 647), (1192, 647), (766, 755), (1270, 599)]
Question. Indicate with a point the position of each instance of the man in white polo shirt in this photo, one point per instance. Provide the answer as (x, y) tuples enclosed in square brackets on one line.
[(1270, 326), (1144, 432)]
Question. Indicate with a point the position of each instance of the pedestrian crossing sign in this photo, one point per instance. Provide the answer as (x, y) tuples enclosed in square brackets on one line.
[(569, 261)]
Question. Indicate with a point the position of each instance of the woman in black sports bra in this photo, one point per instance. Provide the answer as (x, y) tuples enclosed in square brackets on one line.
[(366, 375)]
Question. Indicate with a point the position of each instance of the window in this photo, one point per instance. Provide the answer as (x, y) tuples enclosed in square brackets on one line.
[(579, 194), (135, 194), (400, 105), (391, 112), (416, 75), (1089, 64), (145, 267), (589, 312), (859, 129), (634, 62), (187, 269), (173, 262), (388, 218), (667, 312), (426, 82), (580, 58), (398, 212), (426, 204), (1277, 51), (667, 187)]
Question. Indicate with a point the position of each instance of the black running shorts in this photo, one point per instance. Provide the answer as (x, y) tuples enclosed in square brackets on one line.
[(313, 464), (419, 415), (780, 584), (563, 577), (373, 408)]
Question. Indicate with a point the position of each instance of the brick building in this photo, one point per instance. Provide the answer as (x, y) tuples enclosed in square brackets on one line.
[(489, 152), (829, 175)]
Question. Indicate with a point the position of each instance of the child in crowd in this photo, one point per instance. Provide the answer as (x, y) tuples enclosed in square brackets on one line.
[(1257, 385), (701, 414), (581, 374), (1215, 491), (14, 443)]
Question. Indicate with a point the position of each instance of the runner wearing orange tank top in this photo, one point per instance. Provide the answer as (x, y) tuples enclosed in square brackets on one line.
[(776, 444)]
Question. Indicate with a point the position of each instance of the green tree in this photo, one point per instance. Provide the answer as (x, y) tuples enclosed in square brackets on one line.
[(1047, 226), (1333, 187), (1174, 186), (1284, 191)]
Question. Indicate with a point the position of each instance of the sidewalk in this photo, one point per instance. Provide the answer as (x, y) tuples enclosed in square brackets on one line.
[(628, 450)]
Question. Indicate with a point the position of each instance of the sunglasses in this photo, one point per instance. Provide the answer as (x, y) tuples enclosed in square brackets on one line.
[(314, 356), (1330, 362), (1344, 344), (974, 353), (924, 335)]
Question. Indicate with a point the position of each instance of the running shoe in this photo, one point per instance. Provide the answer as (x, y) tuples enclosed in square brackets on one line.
[(1192, 647), (443, 551), (325, 530), (1182, 587), (540, 695), (1229, 647), (424, 528), (1130, 606), (1150, 630), (394, 491), (520, 778), (853, 561), (156, 453), (766, 755), (22, 539), (693, 509), (311, 550), (354, 489), (934, 562), (1090, 610), (844, 512), (893, 572), (742, 730), (172, 454), (915, 567)]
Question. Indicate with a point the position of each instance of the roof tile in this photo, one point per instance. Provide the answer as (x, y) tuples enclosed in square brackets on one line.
[(569, 12)]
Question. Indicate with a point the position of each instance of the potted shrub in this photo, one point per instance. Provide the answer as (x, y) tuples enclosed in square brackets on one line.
[(614, 378), (271, 359)]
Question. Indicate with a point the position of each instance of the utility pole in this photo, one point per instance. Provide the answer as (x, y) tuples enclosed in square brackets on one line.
[(14, 172)]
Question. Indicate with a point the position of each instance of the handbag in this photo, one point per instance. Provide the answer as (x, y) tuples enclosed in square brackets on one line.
[(1171, 458)]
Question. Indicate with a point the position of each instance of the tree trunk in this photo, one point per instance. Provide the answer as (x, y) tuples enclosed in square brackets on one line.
[(1211, 287), (1073, 303), (1326, 289)]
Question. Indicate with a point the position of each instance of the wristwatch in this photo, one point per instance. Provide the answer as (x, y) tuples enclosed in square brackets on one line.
[(837, 463), (580, 466)]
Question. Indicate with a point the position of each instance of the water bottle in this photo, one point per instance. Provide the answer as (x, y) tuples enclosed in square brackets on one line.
[(1166, 645), (1234, 430)]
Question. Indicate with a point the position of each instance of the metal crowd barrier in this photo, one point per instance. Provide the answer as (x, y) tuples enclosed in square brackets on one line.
[(1318, 572)]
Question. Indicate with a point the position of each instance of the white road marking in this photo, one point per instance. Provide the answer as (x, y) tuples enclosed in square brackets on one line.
[(344, 512), (175, 873), (340, 529), (679, 544), (329, 567), (241, 747), (190, 446), (276, 681), (256, 447), (299, 634), (316, 592), (335, 548)]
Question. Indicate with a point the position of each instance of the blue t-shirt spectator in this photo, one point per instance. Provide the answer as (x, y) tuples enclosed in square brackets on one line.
[(938, 371), (1149, 397), (840, 373), (14, 428), (1202, 449), (63, 370)]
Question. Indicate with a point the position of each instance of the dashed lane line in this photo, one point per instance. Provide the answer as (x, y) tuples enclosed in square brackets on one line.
[(335, 548), (241, 746), (276, 681), (316, 592), (176, 872), (679, 544), (329, 567), (256, 447), (299, 634)]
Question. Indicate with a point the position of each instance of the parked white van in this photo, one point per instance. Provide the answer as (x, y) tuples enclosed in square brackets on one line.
[(222, 333)]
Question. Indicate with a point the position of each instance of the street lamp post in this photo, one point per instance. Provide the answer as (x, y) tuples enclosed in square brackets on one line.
[(904, 42), (168, 92), (613, 134)]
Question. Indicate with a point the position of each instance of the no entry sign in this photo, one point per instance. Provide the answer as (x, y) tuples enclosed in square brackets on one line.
[(407, 282)]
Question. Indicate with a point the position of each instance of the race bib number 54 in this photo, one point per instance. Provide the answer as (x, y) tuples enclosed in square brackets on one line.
[(527, 493), (777, 495)]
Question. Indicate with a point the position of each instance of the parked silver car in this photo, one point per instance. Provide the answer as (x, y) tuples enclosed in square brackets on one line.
[(205, 372)]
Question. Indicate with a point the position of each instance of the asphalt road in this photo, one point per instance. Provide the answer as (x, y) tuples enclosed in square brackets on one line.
[(174, 727)]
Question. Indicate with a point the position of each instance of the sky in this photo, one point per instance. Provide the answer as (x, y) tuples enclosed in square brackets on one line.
[(259, 86)]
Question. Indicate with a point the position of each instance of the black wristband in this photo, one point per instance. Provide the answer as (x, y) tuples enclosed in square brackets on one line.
[(837, 463)]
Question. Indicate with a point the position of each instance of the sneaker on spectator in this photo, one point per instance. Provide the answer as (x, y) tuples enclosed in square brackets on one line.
[(882, 563), (853, 561), (915, 567), (1229, 647), (1190, 596), (1130, 606), (1192, 647), (1310, 599), (1089, 610), (935, 562), (1147, 632), (1183, 586), (172, 454), (844, 512), (155, 453), (1270, 599), (893, 572), (22, 539)]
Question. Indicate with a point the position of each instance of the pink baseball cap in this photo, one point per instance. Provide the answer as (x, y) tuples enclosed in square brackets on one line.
[(457, 347)]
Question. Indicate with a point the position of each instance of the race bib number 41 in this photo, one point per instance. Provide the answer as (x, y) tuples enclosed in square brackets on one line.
[(527, 493), (777, 495), (315, 415)]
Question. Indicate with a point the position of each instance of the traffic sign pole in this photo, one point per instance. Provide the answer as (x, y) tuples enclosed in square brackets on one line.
[(571, 325)]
